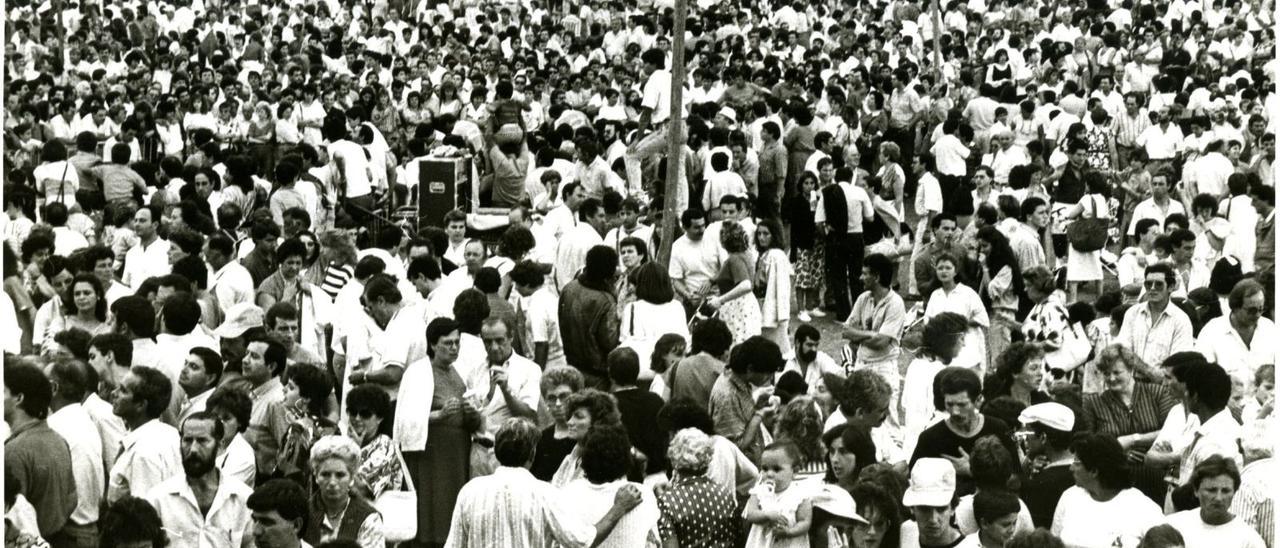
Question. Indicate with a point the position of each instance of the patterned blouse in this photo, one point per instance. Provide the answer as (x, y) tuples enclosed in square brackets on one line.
[(379, 467), (698, 512)]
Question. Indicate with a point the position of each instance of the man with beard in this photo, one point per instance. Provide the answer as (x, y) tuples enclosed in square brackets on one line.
[(202, 506)]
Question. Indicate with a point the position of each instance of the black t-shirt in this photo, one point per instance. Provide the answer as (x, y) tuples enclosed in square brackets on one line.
[(639, 410), (1041, 492), (939, 441), (550, 453)]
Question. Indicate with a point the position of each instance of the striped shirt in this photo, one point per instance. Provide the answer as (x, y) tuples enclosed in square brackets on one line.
[(1105, 413), (1129, 128), (512, 508), (1253, 502)]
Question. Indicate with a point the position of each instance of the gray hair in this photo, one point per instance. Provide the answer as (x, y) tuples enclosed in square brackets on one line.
[(690, 452), (335, 447)]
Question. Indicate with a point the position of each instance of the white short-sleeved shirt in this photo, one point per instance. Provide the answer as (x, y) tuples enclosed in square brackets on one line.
[(356, 173), (225, 525), (1082, 522), (150, 455), (858, 203), (929, 195), (542, 323), (142, 262), (657, 95), (695, 262), (1195, 532)]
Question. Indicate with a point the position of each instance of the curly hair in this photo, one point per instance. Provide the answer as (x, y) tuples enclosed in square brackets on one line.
[(516, 242), (131, 520), (561, 375), (1009, 364), (733, 238), (690, 452), (602, 407), (941, 332), (801, 423), (338, 246), (606, 453)]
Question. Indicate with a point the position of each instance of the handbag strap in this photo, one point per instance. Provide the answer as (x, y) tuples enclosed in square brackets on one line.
[(404, 471), (632, 307), (62, 184)]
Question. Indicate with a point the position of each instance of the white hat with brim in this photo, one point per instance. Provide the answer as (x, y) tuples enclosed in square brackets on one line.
[(839, 503), (240, 318), (933, 483), (1221, 228)]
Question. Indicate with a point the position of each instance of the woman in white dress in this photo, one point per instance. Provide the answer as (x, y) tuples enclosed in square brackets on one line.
[(1086, 266), (951, 296)]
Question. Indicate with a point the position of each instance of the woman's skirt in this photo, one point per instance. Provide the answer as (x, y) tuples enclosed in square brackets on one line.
[(1083, 266), (439, 473), (743, 317), (809, 266)]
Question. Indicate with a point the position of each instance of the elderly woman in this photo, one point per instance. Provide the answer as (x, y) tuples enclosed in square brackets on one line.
[(1102, 509), (1019, 374), (334, 512), (695, 511), (368, 409), (558, 385), (737, 304), (586, 410), (729, 467), (1131, 409)]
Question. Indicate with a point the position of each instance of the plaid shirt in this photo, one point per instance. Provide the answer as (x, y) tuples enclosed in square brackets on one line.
[(1128, 129)]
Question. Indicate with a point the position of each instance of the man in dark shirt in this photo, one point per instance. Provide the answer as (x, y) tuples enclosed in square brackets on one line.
[(639, 408), (35, 456), (1049, 458), (957, 390), (588, 323), (261, 262)]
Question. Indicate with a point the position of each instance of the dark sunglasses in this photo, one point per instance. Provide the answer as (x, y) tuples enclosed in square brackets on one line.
[(361, 413)]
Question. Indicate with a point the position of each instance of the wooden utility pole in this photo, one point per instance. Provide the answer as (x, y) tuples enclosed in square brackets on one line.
[(938, 31), (675, 136)]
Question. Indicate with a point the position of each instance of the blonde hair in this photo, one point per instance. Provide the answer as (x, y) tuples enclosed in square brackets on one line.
[(335, 447), (1121, 354)]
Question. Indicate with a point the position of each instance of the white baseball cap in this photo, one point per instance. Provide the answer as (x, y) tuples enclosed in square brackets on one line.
[(933, 483)]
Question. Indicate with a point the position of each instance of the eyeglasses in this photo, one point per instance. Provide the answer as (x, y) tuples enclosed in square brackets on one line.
[(361, 413), (1153, 284), (1254, 310)]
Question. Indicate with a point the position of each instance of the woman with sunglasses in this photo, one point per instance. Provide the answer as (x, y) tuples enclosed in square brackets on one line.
[(369, 414)]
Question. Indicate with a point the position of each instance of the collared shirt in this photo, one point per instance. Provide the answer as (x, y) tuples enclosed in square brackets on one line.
[(41, 461), (1161, 144), (149, 455), (238, 461), (1254, 502), (951, 155), (1129, 128), (512, 508), (858, 204), (1149, 209), (110, 429), (1154, 339), (1220, 435), (1221, 343), (146, 261), (885, 317), (267, 423), (74, 425), (903, 106), (368, 534), (1025, 243), (194, 405), (227, 524), (524, 380)]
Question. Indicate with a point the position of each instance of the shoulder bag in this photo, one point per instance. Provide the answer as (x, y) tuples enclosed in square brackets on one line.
[(1088, 234), (399, 509)]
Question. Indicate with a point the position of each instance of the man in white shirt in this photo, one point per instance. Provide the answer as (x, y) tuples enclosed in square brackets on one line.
[(354, 172), (1211, 172), (571, 253), (1006, 157), (1132, 264), (630, 227), (65, 240), (149, 454), (70, 380), (150, 257), (1162, 141), (810, 362), (722, 182), (512, 508), (695, 260), (1208, 390), (1159, 206), (202, 506), (1241, 340), (455, 225), (200, 375), (229, 281), (949, 153), (655, 111), (537, 310), (392, 338), (1156, 329), (510, 382)]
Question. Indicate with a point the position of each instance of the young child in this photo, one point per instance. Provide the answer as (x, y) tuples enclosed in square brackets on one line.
[(997, 514), (1259, 407), (779, 513)]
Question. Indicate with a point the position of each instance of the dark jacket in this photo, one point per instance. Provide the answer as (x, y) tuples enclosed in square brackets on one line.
[(837, 209), (639, 410), (357, 511), (588, 326)]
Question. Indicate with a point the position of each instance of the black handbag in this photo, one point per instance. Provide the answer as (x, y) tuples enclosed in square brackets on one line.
[(1088, 234)]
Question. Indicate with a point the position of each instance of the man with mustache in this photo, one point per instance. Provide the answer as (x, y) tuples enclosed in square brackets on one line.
[(201, 506)]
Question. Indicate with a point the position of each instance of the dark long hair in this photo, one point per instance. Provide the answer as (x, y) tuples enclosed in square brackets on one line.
[(99, 309), (1002, 256)]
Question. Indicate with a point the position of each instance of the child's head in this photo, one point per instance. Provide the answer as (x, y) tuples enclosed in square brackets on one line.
[(996, 511), (1163, 248), (778, 463), (667, 352), (1264, 383)]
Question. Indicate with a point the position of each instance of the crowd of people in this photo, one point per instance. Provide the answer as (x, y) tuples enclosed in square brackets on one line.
[(980, 274)]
